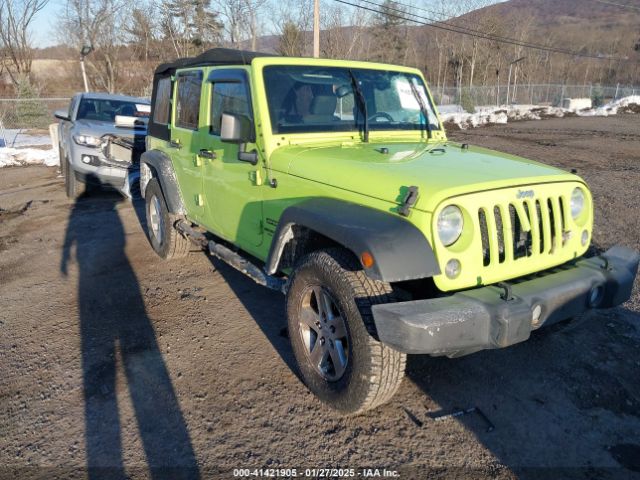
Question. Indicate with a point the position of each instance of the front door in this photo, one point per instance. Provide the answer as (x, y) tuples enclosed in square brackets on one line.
[(184, 139), (233, 188)]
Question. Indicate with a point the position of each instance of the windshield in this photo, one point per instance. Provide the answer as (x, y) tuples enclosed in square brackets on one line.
[(104, 110), (306, 99)]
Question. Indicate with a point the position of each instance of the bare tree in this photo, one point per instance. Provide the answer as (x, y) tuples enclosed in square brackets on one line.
[(232, 12), (142, 32), (16, 17), (97, 23), (343, 34), (240, 20)]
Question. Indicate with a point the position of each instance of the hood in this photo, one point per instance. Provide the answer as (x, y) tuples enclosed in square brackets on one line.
[(438, 170), (98, 129)]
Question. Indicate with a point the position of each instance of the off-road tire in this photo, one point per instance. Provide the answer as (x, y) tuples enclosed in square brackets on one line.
[(73, 186), (374, 371), (170, 244)]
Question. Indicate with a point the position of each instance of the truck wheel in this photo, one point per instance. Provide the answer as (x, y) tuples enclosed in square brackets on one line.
[(332, 332), (71, 184), (62, 160), (164, 238)]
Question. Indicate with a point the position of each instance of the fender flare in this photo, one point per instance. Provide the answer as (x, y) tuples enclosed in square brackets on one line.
[(400, 250), (163, 170)]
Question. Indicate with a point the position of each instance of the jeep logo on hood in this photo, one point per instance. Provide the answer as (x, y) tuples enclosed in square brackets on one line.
[(524, 194)]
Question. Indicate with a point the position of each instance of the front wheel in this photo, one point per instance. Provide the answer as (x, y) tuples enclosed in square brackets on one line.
[(332, 332), (166, 241), (71, 184)]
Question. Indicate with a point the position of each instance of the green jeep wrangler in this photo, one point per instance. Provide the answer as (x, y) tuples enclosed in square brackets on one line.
[(334, 182)]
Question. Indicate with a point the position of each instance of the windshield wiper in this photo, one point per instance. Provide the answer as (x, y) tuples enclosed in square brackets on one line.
[(363, 105), (423, 107)]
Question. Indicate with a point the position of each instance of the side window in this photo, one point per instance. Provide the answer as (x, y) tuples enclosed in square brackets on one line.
[(228, 97), (188, 99), (163, 102)]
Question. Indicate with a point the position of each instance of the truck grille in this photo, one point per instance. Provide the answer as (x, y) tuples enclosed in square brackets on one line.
[(522, 229)]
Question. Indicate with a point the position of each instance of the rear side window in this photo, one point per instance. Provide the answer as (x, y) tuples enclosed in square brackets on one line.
[(163, 102), (188, 99), (228, 98)]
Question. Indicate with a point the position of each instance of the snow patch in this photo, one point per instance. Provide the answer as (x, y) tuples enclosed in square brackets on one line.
[(10, 157), (503, 114), (23, 138)]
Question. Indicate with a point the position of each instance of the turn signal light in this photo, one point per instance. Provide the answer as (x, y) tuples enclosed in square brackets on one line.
[(367, 260)]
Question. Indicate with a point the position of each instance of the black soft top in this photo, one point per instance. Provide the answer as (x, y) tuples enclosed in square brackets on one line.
[(215, 56)]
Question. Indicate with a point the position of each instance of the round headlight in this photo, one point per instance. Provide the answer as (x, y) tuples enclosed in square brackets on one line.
[(450, 224), (577, 202)]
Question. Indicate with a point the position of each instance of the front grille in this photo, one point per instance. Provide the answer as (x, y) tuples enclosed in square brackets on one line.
[(522, 229)]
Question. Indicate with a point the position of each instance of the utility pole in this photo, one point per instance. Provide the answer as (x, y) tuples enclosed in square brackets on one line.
[(316, 28), (509, 80)]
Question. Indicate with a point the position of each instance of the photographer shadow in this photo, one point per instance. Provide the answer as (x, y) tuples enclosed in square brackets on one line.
[(117, 333)]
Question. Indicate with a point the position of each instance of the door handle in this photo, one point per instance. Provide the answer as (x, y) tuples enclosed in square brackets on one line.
[(175, 144), (208, 154)]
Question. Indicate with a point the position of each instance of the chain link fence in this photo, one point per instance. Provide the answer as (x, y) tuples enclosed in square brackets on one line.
[(549, 94), (25, 121), (30, 113), (37, 113)]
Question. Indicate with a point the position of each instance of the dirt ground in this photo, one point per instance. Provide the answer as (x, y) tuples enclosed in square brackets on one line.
[(152, 369)]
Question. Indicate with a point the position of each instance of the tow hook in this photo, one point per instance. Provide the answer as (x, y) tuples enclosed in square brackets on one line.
[(507, 295)]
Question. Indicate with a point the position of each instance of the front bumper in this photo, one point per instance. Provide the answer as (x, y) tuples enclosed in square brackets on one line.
[(119, 175), (488, 317)]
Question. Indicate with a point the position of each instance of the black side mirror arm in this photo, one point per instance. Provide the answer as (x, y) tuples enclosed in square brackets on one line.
[(250, 157)]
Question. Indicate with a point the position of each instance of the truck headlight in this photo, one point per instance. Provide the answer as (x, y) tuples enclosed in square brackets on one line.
[(450, 223), (577, 202), (87, 140)]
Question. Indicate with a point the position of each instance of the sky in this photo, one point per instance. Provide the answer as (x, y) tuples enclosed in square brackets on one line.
[(43, 31)]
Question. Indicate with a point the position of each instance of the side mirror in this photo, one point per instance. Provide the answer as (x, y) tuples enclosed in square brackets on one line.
[(61, 115), (236, 129)]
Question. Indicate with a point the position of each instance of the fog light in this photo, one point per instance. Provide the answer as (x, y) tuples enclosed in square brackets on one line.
[(452, 269), (595, 296), (86, 159), (585, 237), (536, 313)]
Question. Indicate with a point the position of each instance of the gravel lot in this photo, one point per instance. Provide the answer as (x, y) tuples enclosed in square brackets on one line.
[(173, 370)]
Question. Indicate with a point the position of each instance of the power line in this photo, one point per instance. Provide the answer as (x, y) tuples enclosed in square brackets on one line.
[(489, 36), (471, 32), (621, 5), (477, 33), (446, 16)]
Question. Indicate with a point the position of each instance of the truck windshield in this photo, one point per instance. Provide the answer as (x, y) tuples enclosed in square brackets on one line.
[(104, 110), (304, 99)]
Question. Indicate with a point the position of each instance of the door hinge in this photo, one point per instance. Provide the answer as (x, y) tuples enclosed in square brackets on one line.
[(257, 177)]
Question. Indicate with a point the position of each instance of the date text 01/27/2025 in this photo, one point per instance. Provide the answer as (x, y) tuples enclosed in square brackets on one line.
[(316, 472)]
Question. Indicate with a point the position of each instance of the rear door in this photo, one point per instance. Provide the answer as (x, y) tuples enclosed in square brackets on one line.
[(185, 128)]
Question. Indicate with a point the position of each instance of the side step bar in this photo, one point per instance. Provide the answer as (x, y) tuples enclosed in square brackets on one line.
[(232, 258)]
